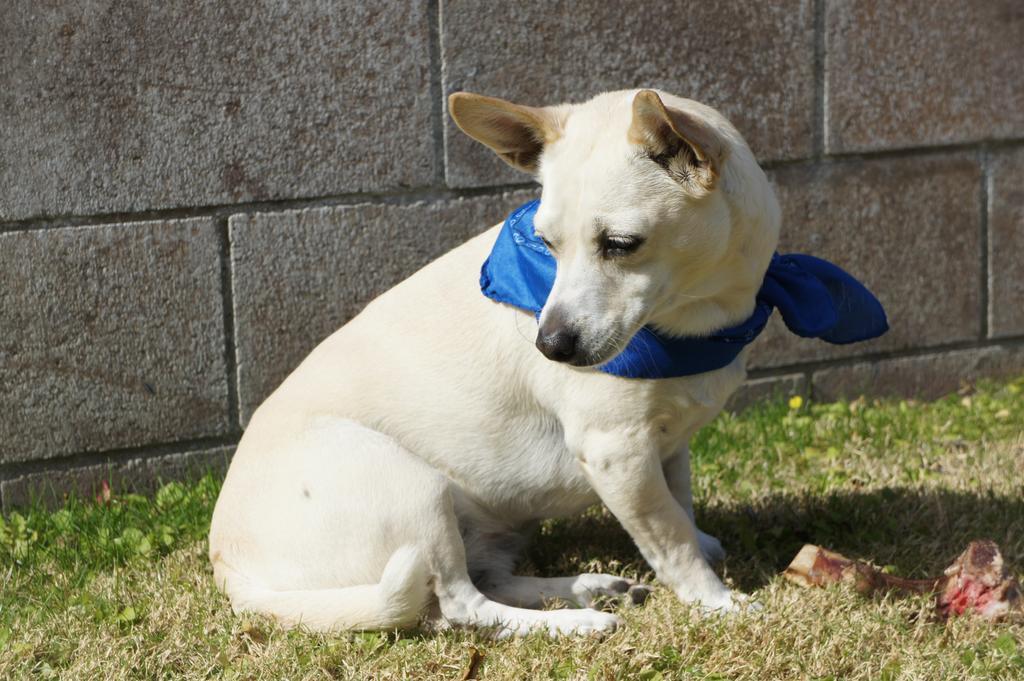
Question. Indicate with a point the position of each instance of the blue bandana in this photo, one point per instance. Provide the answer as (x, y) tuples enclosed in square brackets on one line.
[(816, 299)]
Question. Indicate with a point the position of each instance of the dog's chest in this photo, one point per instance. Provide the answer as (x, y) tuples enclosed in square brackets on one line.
[(536, 473), (515, 448), (539, 478)]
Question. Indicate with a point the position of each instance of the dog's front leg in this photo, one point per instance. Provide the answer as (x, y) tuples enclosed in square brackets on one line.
[(677, 475), (627, 475)]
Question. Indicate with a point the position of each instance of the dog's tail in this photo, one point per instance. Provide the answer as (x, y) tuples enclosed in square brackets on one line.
[(396, 601)]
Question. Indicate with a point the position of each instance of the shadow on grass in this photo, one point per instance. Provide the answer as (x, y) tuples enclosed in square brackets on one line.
[(916, 532)]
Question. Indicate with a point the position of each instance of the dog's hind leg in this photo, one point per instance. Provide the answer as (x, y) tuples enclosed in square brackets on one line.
[(492, 553), (677, 475), (586, 590), (462, 602), (329, 528)]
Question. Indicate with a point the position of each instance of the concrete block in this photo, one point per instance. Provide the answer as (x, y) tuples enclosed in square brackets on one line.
[(922, 73), (925, 377), (114, 107), (753, 61), (1006, 245), (141, 475), (112, 336)]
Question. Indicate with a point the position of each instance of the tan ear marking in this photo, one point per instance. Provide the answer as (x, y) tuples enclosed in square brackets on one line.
[(516, 133), (663, 132)]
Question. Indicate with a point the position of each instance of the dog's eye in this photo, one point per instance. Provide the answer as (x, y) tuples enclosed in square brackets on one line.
[(617, 246), (547, 244)]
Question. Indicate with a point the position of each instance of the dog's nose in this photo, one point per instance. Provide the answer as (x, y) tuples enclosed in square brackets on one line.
[(558, 343)]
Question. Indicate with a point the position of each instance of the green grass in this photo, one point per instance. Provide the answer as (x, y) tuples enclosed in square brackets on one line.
[(119, 587)]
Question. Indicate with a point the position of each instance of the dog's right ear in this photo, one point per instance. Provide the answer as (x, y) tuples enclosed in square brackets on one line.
[(686, 146), (516, 133)]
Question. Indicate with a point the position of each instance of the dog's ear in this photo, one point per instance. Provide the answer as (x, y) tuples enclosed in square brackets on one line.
[(516, 133), (689, 149)]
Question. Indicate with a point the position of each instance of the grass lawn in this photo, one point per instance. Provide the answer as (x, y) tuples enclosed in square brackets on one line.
[(121, 588)]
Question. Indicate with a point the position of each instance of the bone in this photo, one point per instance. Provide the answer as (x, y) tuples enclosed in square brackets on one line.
[(977, 583)]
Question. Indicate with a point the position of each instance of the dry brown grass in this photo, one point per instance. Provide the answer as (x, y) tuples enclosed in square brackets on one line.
[(180, 627)]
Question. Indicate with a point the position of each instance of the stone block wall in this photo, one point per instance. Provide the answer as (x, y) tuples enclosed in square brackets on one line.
[(193, 194)]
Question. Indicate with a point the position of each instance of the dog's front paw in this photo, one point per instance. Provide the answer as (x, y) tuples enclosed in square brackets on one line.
[(732, 602), (595, 590), (720, 600), (710, 547), (578, 622)]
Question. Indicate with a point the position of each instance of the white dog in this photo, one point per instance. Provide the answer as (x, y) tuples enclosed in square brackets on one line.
[(389, 475)]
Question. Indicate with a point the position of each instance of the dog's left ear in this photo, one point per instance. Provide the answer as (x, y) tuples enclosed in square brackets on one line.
[(516, 133), (689, 149)]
